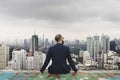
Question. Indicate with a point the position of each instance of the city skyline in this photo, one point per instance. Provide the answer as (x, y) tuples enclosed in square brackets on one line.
[(21, 40), (73, 19)]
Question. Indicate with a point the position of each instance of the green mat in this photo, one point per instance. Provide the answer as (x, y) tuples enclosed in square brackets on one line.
[(79, 76)]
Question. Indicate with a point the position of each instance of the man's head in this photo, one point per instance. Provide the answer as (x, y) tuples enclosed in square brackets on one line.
[(59, 38)]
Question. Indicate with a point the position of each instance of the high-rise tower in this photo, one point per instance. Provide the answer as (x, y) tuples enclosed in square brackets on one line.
[(34, 43)]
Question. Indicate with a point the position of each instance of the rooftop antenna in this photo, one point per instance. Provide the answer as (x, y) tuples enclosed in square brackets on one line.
[(34, 30)]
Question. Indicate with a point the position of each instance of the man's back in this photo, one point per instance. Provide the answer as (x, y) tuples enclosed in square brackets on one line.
[(59, 53)]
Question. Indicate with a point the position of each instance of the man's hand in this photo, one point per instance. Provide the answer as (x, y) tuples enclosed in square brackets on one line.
[(36, 72), (79, 72)]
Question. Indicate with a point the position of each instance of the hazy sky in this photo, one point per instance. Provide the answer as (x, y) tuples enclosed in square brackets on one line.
[(72, 18)]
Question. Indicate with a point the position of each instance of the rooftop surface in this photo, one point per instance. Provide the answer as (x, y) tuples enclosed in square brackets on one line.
[(83, 75)]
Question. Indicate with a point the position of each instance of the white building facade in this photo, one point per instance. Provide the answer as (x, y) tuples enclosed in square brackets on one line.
[(105, 44), (87, 61), (90, 46), (4, 56), (39, 58), (30, 63), (96, 43), (18, 61)]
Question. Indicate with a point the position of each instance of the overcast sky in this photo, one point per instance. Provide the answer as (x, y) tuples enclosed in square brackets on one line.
[(72, 18)]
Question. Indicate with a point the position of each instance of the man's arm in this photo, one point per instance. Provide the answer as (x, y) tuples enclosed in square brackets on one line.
[(47, 60), (71, 61)]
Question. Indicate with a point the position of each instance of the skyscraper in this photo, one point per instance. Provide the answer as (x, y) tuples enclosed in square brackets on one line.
[(47, 43), (34, 43), (39, 58), (108, 42), (29, 63), (113, 45), (4, 56), (105, 44), (19, 57), (43, 41), (96, 48), (90, 46)]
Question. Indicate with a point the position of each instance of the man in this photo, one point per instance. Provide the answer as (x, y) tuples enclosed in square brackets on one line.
[(59, 54)]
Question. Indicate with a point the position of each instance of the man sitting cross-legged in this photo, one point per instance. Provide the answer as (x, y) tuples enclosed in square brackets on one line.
[(58, 54)]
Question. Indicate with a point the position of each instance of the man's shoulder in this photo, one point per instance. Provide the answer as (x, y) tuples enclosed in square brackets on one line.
[(61, 46), (51, 47), (66, 46)]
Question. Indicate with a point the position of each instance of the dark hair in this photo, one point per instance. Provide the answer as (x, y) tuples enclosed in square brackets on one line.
[(57, 37)]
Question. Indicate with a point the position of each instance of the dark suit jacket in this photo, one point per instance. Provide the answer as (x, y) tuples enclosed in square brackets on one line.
[(59, 54)]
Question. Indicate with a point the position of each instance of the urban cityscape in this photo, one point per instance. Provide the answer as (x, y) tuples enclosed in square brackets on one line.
[(98, 52), (87, 29)]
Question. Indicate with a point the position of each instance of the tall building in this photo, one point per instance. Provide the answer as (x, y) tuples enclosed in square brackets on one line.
[(19, 58), (29, 63), (4, 55), (90, 46), (39, 58), (105, 44), (34, 43), (40, 42), (113, 45), (26, 44), (43, 41), (105, 47), (108, 42), (47, 43), (96, 44), (98, 48)]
